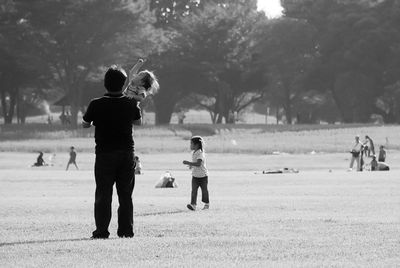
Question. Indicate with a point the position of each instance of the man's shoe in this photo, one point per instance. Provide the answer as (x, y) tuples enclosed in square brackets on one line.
[(99, 237), (191, 207), (206, 206), (96, 235), (126, 235)]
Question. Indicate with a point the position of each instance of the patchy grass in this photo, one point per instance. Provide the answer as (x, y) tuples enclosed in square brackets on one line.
[(311, 219)]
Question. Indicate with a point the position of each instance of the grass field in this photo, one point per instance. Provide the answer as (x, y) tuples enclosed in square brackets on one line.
[(311, 219), (249, 139)]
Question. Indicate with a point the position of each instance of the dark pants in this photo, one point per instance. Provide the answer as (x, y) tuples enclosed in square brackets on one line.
[(118, 167), (202, 183)]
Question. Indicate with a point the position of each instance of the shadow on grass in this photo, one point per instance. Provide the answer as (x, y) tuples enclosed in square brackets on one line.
[(85, 239), (48, 241), (161, 213)]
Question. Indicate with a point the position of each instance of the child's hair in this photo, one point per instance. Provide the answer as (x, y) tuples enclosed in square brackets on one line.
[(114, 79), (72, 147), (382, 147), (198, 141), (150, 82), (136, 157)]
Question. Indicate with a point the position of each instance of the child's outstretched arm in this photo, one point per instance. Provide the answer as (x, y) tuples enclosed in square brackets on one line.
[(193, 164), (135, 69)]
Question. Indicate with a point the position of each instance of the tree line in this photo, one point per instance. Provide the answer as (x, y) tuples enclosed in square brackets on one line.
[(326, 60)]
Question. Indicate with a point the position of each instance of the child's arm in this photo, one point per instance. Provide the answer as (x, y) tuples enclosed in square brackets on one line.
[(135, 69), (193, 164)]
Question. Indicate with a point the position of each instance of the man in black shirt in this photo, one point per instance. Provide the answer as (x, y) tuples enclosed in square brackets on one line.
[(113, 116)]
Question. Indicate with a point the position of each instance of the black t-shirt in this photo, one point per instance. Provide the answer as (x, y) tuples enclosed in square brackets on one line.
[(72, 156), (113, 117)]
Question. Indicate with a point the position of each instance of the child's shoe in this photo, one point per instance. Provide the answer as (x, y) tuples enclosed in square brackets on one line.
[(206, 206), (191, 207)]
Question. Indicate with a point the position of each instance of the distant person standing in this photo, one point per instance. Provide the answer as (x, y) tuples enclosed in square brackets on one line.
[(113, 116), (369, 147), (382, 154), (72, 158), (199, 173), (138, 166), (356, 154)]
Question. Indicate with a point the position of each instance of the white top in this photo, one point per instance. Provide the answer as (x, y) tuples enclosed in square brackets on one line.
[(357, 147), (201, 171)]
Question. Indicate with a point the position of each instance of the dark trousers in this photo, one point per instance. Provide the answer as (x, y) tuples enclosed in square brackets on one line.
[(118, 167), (202, 183)]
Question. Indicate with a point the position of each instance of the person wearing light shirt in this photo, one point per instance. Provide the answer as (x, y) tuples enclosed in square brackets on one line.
[(356, 154)]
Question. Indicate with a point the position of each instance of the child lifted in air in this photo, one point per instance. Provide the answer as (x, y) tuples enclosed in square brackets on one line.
[(141, 84)]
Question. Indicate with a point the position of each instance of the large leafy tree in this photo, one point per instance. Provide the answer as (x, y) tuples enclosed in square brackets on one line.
[(355, 43), (208, 57), (76, 38), (285, 50), (20, 67)]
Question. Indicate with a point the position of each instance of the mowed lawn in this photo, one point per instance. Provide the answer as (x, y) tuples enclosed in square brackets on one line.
[(311, 219)]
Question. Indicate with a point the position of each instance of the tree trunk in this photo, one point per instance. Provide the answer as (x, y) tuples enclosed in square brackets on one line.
[(164, 107), (164, 114), (219, 119), (74, 115), (288, 114), (288, 108), (3, 105)]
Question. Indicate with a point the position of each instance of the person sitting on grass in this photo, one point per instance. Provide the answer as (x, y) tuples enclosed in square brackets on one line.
[(39, 161), (378, 165), (113, 116)]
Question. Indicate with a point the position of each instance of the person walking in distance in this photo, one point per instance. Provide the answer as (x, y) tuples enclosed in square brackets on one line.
[(72, 158)]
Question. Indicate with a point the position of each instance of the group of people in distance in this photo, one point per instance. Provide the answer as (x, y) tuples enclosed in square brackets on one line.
[(362, 150), (72, 159)]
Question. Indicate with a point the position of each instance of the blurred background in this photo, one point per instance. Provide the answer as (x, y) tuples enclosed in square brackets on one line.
[(218, 61)]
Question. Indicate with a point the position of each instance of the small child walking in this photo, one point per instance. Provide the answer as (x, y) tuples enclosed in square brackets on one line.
[(72, 158), (199, 173)]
